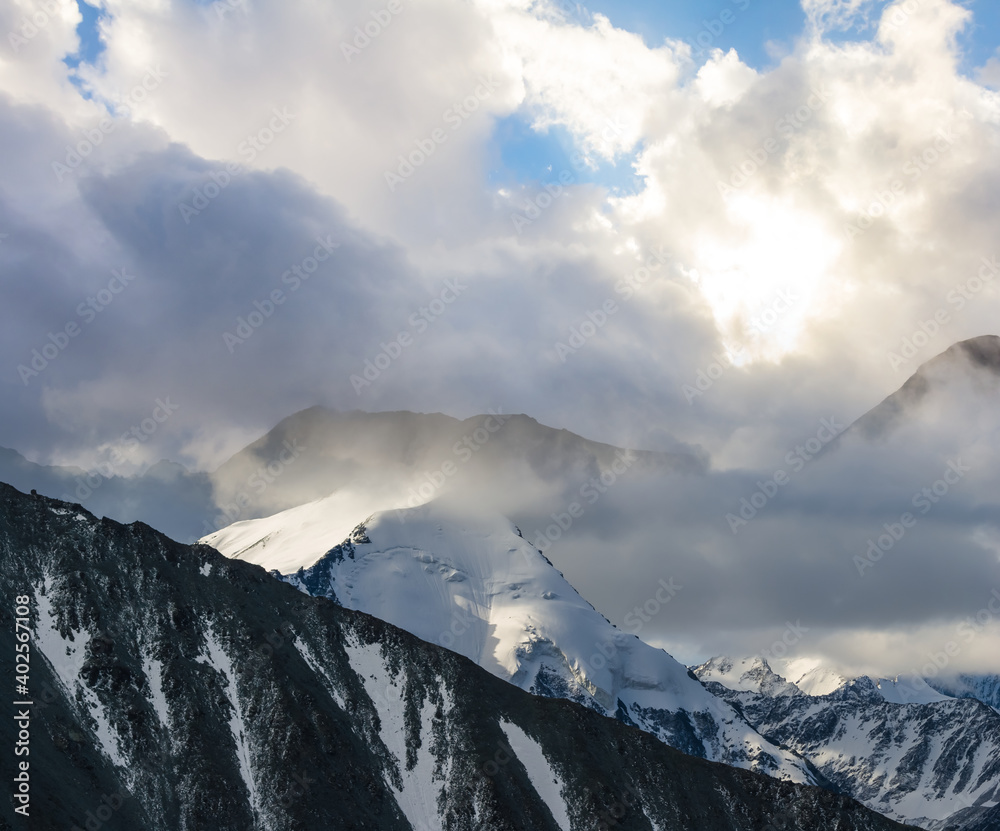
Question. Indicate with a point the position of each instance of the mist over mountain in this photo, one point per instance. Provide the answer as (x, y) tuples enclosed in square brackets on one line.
[(938, 389), (193, 691), (470, 582), (762, 554), (557, 415), (404, 459)]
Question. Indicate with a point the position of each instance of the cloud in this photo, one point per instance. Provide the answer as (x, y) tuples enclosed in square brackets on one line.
[(831, 15), (989, 73), (808, 151), (800, 238)]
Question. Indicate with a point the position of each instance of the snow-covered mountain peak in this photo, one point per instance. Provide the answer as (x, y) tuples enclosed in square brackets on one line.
[(473, 584), (983, 687), (294, 538), (752, 674), (904, 691), (467, 580), (811, 675)]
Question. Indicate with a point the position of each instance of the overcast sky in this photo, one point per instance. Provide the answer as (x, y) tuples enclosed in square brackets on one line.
[(716, 225)]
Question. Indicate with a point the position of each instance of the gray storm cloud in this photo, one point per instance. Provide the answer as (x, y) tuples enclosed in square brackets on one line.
[(800, 240)]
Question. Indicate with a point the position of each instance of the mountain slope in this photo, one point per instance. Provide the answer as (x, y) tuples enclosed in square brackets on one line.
[(933, 762), (179, 690), (471, 583), (934, 380)]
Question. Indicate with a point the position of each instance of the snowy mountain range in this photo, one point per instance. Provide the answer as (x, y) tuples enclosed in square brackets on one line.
[(473, 584), (404, 517), (904, 750), (178, 690)]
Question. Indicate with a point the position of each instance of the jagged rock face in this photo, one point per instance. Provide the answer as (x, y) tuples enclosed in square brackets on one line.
[(934, 764), (177, 690), (471, 583)]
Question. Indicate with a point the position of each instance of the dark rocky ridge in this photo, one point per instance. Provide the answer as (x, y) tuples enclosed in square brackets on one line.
[(258, 675)]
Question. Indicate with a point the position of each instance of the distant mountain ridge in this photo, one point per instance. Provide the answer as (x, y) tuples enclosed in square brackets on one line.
[(980, 353), (377, 460), (913, 754)]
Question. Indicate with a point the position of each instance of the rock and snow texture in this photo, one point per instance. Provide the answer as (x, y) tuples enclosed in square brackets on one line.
[(902, 749), (471, 583), (985, 688), (544, 779), (808, 676), (173, 697)]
